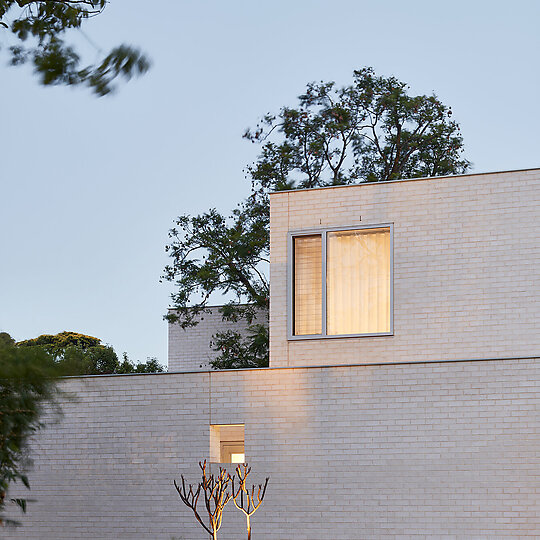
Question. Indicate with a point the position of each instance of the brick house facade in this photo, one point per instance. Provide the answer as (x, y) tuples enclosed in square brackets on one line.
[(425, 428)]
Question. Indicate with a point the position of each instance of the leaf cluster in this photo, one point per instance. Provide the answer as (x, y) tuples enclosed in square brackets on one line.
[(238, 351), (127, 366), (27, 382), (38, 28), (211, 253), (56, 344)]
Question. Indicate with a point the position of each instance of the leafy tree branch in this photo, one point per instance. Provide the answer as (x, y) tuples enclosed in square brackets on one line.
[(34, 32), (27, 383)]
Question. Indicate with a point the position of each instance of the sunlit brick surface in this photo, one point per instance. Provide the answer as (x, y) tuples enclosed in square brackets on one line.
[(440, 450)]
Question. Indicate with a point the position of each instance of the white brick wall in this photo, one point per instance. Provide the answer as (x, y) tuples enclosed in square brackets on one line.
[(383, 449), (189, 349), (466, 259), (429, 450)]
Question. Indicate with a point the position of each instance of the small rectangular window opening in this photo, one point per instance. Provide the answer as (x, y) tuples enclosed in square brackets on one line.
[(227, 443)]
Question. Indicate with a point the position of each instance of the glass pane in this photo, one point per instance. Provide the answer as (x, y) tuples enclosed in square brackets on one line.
[(237, 458), (307, 285), (358, 281)]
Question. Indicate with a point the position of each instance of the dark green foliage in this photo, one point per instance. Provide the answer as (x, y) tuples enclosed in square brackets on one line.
[(79, 354), (211, 253), (27, 383), (36, 29), (231, 249), (371, 130), (76, 354), (241, 352), (368, 131), (150, 366), (6, 339)]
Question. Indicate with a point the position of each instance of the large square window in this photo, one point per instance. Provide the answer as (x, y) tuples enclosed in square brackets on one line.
[(341, 282)]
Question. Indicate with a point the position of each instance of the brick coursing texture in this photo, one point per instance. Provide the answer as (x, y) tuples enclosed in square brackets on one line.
[(190, 350), (466, 266), (434, 450)]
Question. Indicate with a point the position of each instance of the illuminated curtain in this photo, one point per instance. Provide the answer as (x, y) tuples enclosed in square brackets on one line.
[(307, 285), (358, 281)]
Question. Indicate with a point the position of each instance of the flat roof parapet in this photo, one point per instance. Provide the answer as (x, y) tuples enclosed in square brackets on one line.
[(400, 180)]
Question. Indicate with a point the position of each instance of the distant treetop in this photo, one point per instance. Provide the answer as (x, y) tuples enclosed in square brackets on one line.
[(62, 341), (80, 354)]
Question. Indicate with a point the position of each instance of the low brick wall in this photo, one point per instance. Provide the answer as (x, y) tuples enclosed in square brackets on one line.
[(427, 450)]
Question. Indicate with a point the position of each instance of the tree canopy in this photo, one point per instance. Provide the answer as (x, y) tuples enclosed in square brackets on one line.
[(34, 32), (79, 354), (371, 130), (368, 131)]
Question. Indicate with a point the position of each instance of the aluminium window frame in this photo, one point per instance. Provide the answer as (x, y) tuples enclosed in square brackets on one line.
[(323, 232)]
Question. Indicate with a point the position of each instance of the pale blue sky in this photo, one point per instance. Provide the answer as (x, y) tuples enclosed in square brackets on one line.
[(90, 186)]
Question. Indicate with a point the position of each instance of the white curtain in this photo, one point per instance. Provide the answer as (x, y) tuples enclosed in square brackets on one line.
[(307, 285), (358, 281)]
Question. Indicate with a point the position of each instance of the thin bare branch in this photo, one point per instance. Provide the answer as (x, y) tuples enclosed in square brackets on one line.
[(245, 500)]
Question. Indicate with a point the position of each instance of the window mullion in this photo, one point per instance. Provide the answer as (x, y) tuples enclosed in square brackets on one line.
[(323, 283)]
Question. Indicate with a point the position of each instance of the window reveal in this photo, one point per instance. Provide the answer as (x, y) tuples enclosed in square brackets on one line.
[(227, 443)]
